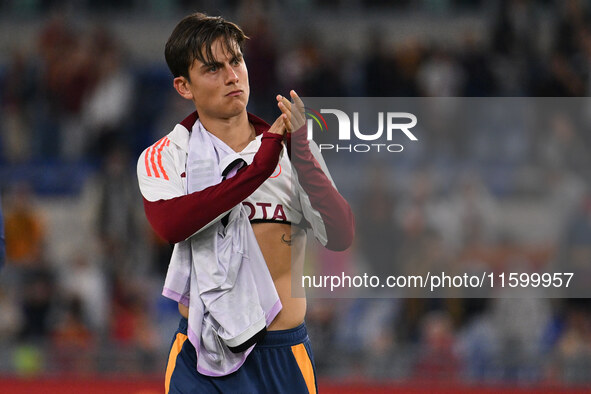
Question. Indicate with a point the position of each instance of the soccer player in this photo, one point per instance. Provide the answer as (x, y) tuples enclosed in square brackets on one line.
[(218, 166)]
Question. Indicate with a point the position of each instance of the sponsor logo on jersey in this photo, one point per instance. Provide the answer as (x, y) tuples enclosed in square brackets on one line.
[(265, 210)]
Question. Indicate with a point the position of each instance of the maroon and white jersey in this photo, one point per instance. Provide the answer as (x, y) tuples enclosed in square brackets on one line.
[(269, 194)]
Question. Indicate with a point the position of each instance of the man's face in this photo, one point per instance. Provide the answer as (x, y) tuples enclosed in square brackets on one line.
[(220, 89)]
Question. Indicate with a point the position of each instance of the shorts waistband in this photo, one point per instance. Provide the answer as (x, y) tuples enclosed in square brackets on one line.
[(288, 337)]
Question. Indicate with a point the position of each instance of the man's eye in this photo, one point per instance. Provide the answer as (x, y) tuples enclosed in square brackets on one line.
[(212, 69), (236, 61)]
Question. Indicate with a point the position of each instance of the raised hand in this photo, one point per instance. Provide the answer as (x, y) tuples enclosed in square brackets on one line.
[(294, 113), (278, 127)]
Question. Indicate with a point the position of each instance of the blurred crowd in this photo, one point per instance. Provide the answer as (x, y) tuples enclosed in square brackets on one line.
[(76, 98)]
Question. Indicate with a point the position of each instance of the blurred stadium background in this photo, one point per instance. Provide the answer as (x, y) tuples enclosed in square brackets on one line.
[(84, 89)]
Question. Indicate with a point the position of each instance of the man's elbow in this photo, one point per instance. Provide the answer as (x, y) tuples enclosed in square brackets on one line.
[(167, 232), (162, 222)]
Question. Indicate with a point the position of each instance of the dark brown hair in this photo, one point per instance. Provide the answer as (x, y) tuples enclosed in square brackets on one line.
[(193, 37)]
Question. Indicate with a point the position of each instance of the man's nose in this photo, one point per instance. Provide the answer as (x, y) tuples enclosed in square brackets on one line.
[(231, 76)]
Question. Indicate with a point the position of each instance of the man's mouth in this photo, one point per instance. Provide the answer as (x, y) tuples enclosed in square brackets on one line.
[(234, 93)]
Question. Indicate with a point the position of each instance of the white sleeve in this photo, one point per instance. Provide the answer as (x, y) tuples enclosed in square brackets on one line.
[(159, 172)]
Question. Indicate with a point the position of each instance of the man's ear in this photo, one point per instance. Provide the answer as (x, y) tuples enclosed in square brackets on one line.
[(181, 84)]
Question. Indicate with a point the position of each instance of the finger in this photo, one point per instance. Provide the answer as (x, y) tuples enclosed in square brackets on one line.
[(286, 116), (297, 100), (278, 127), (299, 106), (296, 119), (288, 125), (285, 109), (285, 101)]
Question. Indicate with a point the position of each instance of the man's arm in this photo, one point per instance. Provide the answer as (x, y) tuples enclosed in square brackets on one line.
[(175, 215), (176, 219), (336, 214)]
